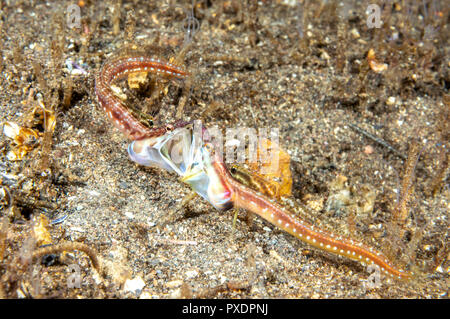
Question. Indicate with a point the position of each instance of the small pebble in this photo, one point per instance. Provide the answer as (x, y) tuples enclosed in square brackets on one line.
[(129, 215), (390, 101), (123, 185), (134, 285), (191, 274), (368, 149)]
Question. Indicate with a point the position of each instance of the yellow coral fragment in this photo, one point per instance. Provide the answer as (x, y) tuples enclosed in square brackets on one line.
[(40, 231), (25, 139), (136, 80), (374, 64), (270, 176), (275, 173)]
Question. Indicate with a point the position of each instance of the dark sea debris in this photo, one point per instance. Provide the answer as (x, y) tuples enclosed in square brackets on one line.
[(378, 140), (70, 246)]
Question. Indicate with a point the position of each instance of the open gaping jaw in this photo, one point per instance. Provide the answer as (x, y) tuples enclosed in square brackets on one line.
[(181, 151)]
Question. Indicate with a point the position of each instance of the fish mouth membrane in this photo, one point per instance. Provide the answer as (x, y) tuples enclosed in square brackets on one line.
[(182, 152)]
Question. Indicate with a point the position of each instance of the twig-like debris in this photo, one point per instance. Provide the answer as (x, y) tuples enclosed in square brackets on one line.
[(179, 242), (68, 90), (378, 140), (47, 138), (25, 253), (4, 223), (41, 80), (436, 182), (401, 211), (116, 17), (59, 248), (212, 292), (130, 26)]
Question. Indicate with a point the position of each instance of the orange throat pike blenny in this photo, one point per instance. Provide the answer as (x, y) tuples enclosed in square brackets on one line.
[(212, 179)]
